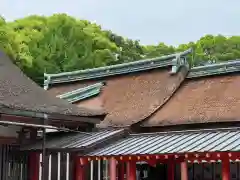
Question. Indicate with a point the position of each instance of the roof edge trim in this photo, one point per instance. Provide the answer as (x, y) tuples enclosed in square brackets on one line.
[(82, 93), (125, 68), (214, 69)]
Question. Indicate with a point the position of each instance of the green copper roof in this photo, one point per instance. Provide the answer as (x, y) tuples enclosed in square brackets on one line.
[(175, 60), (82, 93), (214, 69)]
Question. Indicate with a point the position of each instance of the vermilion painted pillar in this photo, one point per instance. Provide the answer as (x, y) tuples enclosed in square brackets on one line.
[(171, 171), (121, 170), (80, 168), (131, 171), (184, 171), (113, 169), (34, 166), (225, 169)]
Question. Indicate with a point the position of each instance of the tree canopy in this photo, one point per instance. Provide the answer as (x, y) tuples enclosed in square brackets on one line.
[(60, 43)]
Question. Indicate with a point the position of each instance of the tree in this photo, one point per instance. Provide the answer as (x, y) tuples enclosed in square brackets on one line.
[(60, 43)]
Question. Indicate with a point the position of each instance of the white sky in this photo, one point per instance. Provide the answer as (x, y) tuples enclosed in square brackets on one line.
[(170, 21)]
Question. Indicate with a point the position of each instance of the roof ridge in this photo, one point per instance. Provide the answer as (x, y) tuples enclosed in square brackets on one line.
[(174, 60), (214, 69)]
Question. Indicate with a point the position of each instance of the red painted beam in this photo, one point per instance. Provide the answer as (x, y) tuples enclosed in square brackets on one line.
[(177, 158)]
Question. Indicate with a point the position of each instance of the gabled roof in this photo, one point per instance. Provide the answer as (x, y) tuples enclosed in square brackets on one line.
[(165, 94), (18, 92), (132, 96)]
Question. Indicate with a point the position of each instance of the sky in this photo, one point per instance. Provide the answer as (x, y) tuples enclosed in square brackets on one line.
[(170, 21)]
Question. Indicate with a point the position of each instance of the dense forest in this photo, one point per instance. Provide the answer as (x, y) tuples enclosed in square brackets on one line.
[(59, 43)]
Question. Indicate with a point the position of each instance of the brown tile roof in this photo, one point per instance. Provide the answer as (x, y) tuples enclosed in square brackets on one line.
[(93, 103), (19, 92), (131, 98), (210, 99)]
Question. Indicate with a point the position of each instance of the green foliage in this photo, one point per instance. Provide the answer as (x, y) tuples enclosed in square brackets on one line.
[(60, 43)]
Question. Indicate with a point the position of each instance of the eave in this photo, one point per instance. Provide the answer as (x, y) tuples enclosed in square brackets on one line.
[(14, 115)]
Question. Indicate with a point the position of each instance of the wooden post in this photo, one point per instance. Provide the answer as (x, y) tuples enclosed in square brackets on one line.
[(80, 168), (131, 170), (171, 166), (184, 171), (225, 169), (112, 169), (34, 166), (121, 170)]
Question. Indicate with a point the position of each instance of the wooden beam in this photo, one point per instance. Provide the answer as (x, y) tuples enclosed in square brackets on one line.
[(37, 121), (52, 116)]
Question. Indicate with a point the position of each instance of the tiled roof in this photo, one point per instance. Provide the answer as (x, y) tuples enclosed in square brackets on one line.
[(19, 92), (130, 99), (157, 97), (210, 99)]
